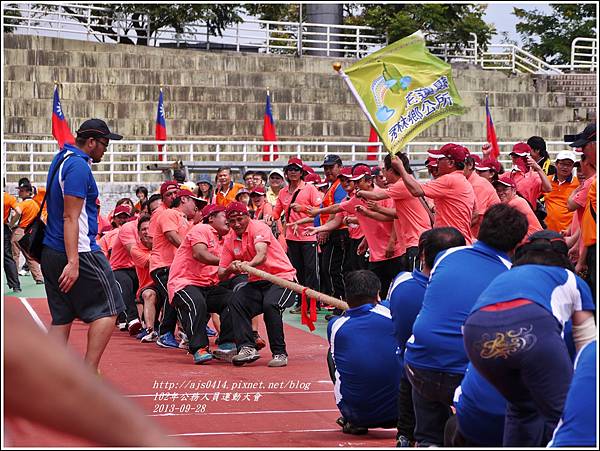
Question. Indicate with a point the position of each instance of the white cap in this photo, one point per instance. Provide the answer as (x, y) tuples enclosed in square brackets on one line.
[(279, 172), (566, 155)]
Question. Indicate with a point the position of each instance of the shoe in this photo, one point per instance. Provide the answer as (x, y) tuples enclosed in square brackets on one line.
[(246, 355), (142, 333), (225, 351), (202, 356), (259, 341), (348, 428), (167, 341), (278, 360), (296, 310), (184, 343), (122, 321), (210, 332), (23, 273), (149, 337), (403, 442), (122, 326), (134, 327), (39, 282), (17, 290), (341, 421)]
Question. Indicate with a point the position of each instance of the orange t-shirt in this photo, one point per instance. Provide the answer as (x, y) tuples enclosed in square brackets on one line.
[(485, 195), (119, 257), (226, 199), (163, 252), (454, 201), (588, 223), (308, 196), (411, 213), (243, 249), (559, 217), (29, 210), (533, 224), (140, 255), (186, 270), (10, 202), (376, 232)]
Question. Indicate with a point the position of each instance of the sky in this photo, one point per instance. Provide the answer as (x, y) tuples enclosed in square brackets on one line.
[(500, 14)]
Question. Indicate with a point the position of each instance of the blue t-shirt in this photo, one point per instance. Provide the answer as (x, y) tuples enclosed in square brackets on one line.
[(480, 409), (406, 297), (74, 178), (577, 426), (556, 289), (367, 372), (458, 277)]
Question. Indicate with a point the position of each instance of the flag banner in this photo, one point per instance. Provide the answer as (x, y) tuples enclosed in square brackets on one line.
[(161, 125), (372, 150), (269, 131), (60, 128), (403, 89), (491, 132)]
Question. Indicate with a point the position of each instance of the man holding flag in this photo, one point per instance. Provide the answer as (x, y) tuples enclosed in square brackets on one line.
[(161, 125)]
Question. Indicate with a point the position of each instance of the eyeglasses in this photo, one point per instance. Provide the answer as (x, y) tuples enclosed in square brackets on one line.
[(294, 169), (104, 143), (565, 163)]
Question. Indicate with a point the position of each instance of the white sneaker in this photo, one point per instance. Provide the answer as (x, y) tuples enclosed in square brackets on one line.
[(149, 338), (246, 355), (23, 273), (278, 360)]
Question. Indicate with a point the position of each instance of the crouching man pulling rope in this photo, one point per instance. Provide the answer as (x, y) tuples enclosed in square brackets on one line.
[(252, 248)]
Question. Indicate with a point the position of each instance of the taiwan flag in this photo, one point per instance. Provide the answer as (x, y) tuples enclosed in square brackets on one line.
[(161, 125), (372, 150), (60, 129), (491, 132), (269, 131)]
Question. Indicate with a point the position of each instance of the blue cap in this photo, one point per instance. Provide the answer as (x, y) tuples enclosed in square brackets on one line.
[(204, 178)]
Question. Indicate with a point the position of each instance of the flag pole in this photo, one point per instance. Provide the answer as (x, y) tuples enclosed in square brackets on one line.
[(163, 150), (271, 153), (337, 66)]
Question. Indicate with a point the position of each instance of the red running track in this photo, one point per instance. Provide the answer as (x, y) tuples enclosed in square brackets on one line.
[(217, 404)]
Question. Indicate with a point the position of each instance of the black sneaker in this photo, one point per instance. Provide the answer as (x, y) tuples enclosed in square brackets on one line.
[(348, 428), (403, 442)]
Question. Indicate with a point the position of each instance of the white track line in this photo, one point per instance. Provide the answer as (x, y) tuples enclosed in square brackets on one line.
[(166, 391), (256, 412), (33, 314), (253, 432)]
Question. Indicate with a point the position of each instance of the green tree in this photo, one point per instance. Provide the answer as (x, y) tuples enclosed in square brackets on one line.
[(440, 23), (549, 36), (140, 22)]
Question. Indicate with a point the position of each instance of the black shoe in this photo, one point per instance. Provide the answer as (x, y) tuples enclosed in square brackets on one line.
[(17, 290), (39, 282), (403, 442), (354, 430)]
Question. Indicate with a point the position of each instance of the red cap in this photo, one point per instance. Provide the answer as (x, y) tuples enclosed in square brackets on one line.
[(166, 186), (359, 172), (521, 149), (308, 169), (435, 154), (236, 208), (506, 180), (294, 162), (487, 164), (313, 178), (211, 210), (242, 191), (476, 158), (187, 193), (346, 171), (260, 190), (432, 162), (122, 209), (455, 152)]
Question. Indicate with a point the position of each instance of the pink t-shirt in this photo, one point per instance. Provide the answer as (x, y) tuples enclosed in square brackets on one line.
[(140, 255), (485, 195), (243, 249), (533, 224), (454, 201), (107, 241), (163, 251), (119, 257), (308, 196), (529, 185), (412, 216), (376, 232), (186, 270)]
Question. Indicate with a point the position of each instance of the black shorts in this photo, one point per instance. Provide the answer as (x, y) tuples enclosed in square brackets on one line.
[(94, 295), (140, 298)]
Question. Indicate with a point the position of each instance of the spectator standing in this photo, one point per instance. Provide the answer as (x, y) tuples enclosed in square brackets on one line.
[(205, 189), (29, 210), (10, 267), (226, 188), (141, 193), (79, 281), (540, 154), (563, 184), (276, 183)]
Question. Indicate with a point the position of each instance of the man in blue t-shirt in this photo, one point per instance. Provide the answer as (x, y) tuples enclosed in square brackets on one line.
[(366, 366), (406, 297), (79, 281), (435, 358)]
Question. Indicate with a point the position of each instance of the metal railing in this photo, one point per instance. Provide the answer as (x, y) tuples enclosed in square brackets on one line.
[(138, 162), (510, 57), (584, 54)]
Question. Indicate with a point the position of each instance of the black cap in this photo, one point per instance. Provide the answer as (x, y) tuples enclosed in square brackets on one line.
[(96, 128), (330, 160), (24, 183), (587, 135)]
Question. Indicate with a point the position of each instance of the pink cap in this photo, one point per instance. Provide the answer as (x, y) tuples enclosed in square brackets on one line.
[(506, 180), (487, 164), (212, 209), (122, 209), (521, 149), (236, 208), (359, 172)]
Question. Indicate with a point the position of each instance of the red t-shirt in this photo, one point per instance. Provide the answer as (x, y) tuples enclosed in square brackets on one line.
[(107, 241), (163, 252), (243, 249), (485, 196), (186, 270), (529, 185), (308, 196), (412, 216), (140, 256), (533, 224), (454, 201), (119, 257)]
